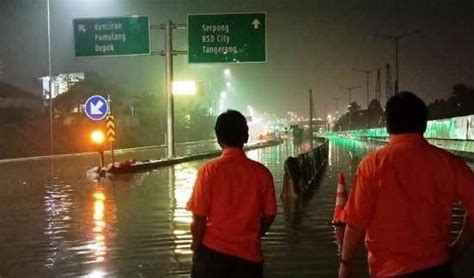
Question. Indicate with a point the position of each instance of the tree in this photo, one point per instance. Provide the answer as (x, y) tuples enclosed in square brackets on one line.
[(193, 123), (375, 113), (351, 119), (354, 107), (462, 99), (460, 103), (150, 127)]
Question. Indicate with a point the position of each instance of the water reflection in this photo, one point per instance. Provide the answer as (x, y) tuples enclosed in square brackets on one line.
[(57, 206), (137, 225), (103, 219), (96, 274), (99, 246), (184, 176)]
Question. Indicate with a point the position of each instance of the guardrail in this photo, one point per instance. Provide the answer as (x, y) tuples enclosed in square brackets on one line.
[(117, 151), (302, 171)]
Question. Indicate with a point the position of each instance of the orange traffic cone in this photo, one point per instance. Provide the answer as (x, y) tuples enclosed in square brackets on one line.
[(341, 198)]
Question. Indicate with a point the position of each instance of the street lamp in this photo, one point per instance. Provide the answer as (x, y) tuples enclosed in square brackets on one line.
[(396, 39), (227, 72), (336, 99), (349, 89), (329, 119), (223, 95), (367, 73), (187, 87), (98, 139)]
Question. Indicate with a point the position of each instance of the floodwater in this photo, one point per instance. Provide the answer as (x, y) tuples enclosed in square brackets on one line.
[(56, 221)]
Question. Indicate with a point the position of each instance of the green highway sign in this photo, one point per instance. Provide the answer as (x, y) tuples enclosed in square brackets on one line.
[(111, 36), (227, 38)]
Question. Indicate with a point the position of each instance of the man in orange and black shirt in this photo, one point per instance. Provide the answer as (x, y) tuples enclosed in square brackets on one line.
[(233, 205), (402, 200)]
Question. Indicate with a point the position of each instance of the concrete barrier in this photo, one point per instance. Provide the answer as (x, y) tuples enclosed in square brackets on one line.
[(302, 171)]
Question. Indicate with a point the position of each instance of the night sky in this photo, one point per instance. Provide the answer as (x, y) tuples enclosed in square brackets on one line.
[(310, 44)]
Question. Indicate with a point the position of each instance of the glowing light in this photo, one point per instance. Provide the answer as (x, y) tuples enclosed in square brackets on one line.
[(99, 196), (227, 72), (98, 137), (96, 274), (228, 84), (98, 211), (223, 94), (184, 88)]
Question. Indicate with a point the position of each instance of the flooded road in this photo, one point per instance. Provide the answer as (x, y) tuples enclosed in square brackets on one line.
[(55, 221)]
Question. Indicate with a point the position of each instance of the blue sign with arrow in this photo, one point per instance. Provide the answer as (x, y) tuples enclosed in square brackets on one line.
[(96, 108)]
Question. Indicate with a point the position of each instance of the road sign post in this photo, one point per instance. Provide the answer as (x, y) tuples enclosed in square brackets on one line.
[(111, 133), (110, 129), (227, 38), (111, 36)]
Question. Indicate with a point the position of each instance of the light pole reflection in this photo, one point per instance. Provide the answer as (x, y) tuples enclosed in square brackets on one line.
[(182, 182), (58, 204)]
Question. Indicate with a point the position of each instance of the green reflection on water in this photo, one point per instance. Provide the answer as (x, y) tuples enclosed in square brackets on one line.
[(357, 148)]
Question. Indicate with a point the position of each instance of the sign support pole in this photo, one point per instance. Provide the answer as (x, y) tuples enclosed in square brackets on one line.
[(311, 118), (112, 143), (169, 89), (50, 84)]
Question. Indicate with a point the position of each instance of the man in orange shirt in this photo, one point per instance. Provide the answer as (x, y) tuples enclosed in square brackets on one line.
[(402, 201), (233, 205)]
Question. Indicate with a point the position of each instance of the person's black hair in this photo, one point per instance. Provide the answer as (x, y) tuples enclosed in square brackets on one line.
[(231, 129), (406, 113)]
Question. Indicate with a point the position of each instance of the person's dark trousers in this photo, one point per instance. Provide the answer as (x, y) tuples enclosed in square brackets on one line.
[(208, 263), (440, 271)]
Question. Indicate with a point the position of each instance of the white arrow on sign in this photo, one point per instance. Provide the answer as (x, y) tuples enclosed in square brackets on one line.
[(81, 28), (255, 23), (95, 108)]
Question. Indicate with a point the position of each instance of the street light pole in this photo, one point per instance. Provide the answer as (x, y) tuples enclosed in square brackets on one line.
[(367, 73), (169, 89), (396, 40), (50, 83), (349, 89), (311, 118)]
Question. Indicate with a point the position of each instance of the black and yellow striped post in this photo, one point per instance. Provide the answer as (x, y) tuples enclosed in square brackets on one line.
[(111, 130)]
